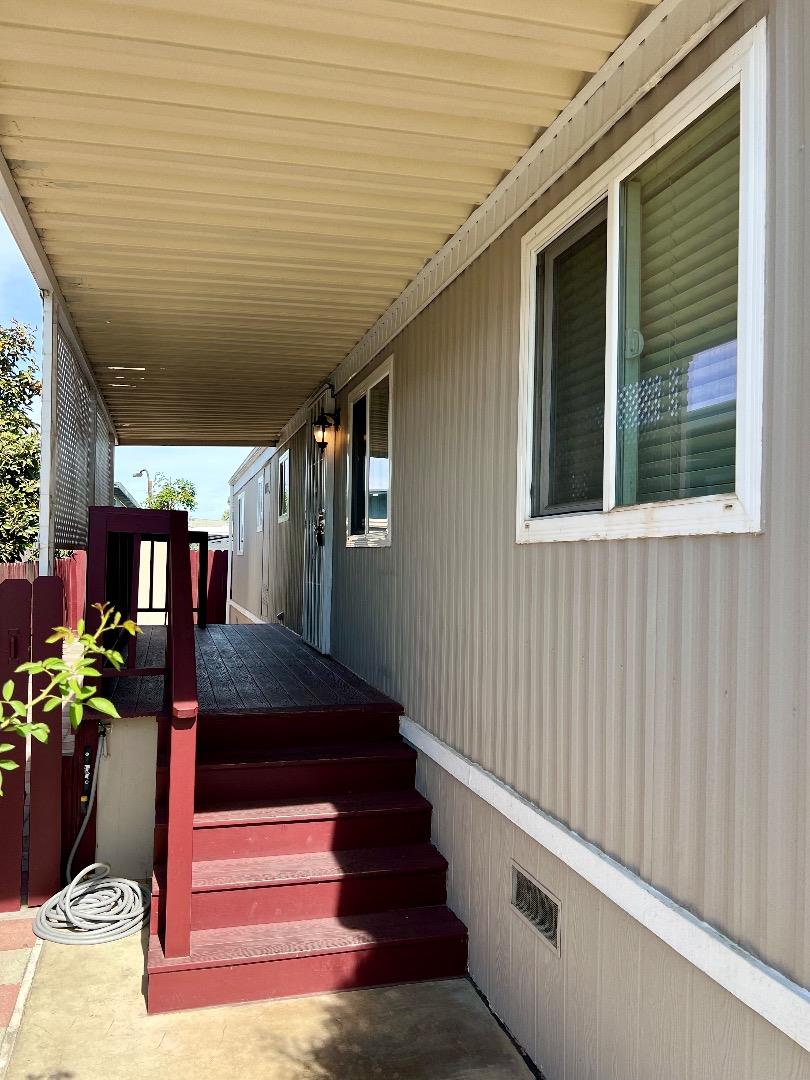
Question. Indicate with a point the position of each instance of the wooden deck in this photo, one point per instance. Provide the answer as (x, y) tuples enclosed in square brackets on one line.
[(247, 668)]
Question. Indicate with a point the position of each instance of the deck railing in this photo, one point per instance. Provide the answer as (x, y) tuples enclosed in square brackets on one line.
[(109, 580), (182, 682)]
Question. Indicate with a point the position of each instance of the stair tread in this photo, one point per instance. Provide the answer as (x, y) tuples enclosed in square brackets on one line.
[(295, 755), (313, 937), (295, 810), (314, 866), (384, 708)]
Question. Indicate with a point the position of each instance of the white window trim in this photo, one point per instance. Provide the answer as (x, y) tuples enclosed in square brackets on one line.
[(744, 65), (283, 460), (366, 540), (240, 523), (260, 502)]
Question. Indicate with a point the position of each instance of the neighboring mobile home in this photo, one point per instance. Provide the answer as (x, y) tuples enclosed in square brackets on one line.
[(554, 502)]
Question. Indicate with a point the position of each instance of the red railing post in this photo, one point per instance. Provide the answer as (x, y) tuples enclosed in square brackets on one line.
[(15, 645), (45, 784), (182, 743)]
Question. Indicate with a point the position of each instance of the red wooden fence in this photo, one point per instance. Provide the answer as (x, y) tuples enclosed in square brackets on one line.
[(217, 583), (72, 571), (28, 611)]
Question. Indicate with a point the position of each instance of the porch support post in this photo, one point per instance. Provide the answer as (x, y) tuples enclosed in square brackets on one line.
[(47, 472)]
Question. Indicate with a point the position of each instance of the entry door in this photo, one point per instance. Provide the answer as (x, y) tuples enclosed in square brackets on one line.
[(318, 532)]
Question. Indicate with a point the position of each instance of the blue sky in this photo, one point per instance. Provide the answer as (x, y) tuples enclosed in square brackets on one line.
[(208, 467)]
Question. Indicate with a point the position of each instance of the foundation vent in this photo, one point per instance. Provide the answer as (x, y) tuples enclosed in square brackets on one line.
[(536, 906)]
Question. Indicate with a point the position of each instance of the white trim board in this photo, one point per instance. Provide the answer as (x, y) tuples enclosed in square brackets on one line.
[(244, 611), (776, 998), (744, 65), (256, 460)]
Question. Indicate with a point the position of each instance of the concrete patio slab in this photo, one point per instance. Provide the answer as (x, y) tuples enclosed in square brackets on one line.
[(86, 1019)]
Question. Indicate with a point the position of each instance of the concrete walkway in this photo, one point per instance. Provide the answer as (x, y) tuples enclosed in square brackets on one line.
[(86, 1019)]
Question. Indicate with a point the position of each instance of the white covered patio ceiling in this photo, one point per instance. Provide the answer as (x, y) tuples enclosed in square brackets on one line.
[(230, 193)]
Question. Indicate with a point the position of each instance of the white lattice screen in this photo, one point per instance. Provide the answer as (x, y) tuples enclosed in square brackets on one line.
[(104, 462), (83, 466)]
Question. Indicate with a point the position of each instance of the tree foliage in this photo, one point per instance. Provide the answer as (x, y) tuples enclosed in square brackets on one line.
[(65, 682), (169, 494), (19, 444)]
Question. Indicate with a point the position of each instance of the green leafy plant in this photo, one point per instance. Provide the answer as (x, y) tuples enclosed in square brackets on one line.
[(19, 444), (169, 494), (66, 682)]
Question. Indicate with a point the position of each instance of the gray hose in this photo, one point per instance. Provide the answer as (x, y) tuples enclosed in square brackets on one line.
[(98, 909)]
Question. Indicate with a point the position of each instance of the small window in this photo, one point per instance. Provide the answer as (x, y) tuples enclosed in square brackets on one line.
[(641, 351), (260, 502), (570, 370), (680, 225), (369, 465), (240, 523), (284, 486)]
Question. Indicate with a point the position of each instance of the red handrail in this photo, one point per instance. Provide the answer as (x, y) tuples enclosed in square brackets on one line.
[(182, 695)]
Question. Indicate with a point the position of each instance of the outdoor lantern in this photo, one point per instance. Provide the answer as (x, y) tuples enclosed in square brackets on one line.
[(320, 429)]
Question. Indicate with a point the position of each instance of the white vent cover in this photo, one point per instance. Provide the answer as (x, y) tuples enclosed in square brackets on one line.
[(537, 906)]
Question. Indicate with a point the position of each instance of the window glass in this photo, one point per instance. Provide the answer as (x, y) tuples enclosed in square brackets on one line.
[(570, 369), (378, 463), (240, 523), (358, 467), (259, 502), (284, 486), (676, 410)]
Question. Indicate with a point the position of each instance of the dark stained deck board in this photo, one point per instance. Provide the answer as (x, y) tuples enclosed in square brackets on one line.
[(299, 692), (205, 692), (225, 690), (264, 672), (243, 672), (151, 687), (326, 685), (247, 668)]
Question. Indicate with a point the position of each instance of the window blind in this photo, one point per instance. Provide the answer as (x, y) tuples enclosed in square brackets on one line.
[(678, 362), (357, 512), (571, 370)]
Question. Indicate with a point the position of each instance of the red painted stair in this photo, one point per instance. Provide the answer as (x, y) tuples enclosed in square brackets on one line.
[(313, 869)]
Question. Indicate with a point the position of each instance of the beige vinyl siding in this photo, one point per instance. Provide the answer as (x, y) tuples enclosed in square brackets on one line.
[(651, 694), (617, 1002), (246, 569), (284, 573)]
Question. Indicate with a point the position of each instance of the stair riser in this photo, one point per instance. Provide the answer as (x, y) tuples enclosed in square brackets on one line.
[(293, 838), (249, 730), (216, 786), (313, 900), (376, 966)]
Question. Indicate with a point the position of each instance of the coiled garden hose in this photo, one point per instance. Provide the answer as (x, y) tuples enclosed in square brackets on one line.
[(94, 907)]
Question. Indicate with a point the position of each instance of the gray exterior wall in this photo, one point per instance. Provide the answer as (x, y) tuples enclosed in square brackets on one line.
[(284, 575), (246, 569), (651, 694), (617, 1002)]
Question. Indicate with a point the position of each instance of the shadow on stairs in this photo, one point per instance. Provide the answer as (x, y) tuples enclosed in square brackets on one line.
[(313, 868)]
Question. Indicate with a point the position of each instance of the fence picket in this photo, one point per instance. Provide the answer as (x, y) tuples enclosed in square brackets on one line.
[(15, 639), (44, 800)]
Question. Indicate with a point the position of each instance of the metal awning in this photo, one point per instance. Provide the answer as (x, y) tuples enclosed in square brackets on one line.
[(230, 194)]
